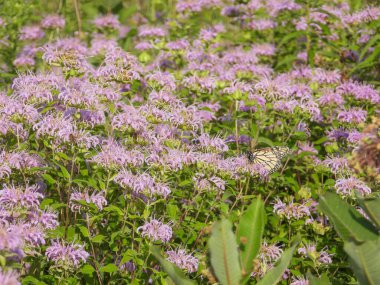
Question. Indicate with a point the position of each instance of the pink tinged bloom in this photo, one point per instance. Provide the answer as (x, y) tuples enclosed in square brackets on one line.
[(354, 116), (291, 210), (9, 277), (183, 260), (273, 88), (355, 136), (324, 257), (286, 106), (262, 24), (53, 22), (141, 183), (23, 160), (270, 253), (100, 44), (129, 119), (33, 235), (336, 164), (326, 76), (214, 144), (156, 230), (118, 66), (65, 58), (12, 197), (31, 33), (348, 186), (149, 31), (98, 199), (26, 56), (109, 21), (144, 46), (178, 45), (331, 98), (359, 91), (35, 88), (70, 255), (11, 238), (306, 147), (48, 219), (263, 49), (300, 280), (164, 79)]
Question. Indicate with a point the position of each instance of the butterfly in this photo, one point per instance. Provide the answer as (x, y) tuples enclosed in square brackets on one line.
[(268, 157)]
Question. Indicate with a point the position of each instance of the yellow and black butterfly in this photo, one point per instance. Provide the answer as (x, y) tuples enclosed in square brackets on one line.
[(268, 157)]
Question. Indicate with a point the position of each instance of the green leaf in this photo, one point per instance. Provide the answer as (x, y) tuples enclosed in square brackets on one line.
[(347, 221), (109, 268), (84, 231), (32, 280), (265, 141), (48, 178), (365, 260), (224, 253), (324, 280), (113, 208), (98, 238), (369, 44), (250, 232), (372, 208), (173, 271), (274, 275), (87, 269)]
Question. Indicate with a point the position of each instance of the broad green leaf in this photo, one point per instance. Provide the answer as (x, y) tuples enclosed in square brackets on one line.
[(173, 271), (347, 221), (84, 231), (274, 275), (249, 233), (109, 268), (323, 280), (224, 253), (48, 178), (98, 238), (87, 269), (265, 141), (30, 280), (365, 260), (113, 208), (372, 208)]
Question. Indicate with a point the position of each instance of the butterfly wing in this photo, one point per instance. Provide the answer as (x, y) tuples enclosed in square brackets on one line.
[(269, 157)]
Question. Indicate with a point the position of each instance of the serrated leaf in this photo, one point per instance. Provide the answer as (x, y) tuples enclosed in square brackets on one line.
[(224, 253), (275, 274), (249, 233), (173, 271), (347, 221)]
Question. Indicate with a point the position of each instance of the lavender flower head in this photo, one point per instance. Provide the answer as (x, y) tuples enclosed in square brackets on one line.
[(156, 230), (96, 198), (109, 21), (53, 22), (183, 260), (31, 33), (68, 256), (9, 277), (348, 186)]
